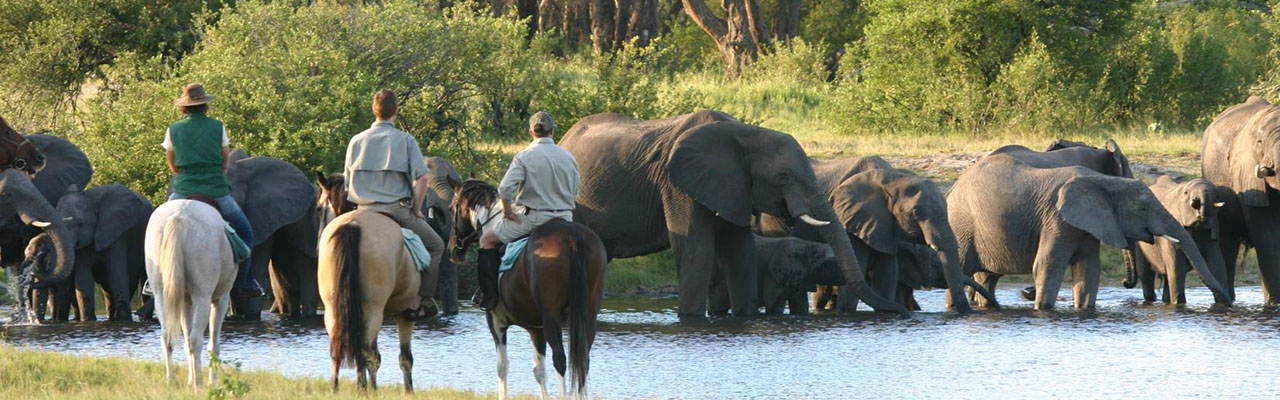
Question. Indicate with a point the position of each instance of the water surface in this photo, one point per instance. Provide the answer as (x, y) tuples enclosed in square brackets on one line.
[(1123, 349)]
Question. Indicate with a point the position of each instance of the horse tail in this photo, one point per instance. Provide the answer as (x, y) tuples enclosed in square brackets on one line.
[(173, 290), (347, 341), (581, 320)]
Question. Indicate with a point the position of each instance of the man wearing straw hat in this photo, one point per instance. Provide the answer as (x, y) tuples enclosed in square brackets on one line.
[(198, 151)]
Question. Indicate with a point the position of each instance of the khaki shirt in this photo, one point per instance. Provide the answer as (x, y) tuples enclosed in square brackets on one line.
[(381, 164), (542, 177)]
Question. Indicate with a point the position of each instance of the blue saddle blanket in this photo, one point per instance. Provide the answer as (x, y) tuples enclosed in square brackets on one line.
[(421, 258), (239, 249), (512, 254)]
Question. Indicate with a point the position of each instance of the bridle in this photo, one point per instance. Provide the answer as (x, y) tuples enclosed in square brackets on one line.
[(15, 161)]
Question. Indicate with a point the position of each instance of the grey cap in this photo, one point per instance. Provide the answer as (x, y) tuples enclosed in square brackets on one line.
[(541, 122)]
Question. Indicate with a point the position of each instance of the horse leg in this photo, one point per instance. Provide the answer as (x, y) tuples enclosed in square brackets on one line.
[(373, 361), (405, 326), (199, 317), (551, 331), (539, 351), (499, 332), (215, 332)]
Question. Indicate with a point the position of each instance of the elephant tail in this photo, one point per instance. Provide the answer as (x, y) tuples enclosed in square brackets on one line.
[(347, 338), (581, 318), (173, 285)]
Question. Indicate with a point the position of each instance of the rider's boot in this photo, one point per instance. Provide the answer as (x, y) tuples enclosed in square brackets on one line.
[(487, 261), (245, 286)]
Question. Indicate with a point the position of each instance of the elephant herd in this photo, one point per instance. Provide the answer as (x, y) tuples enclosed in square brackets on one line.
[(752, 220), (101, 230)]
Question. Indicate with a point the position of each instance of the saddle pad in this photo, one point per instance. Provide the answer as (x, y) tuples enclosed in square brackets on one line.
[(514, 249), (239, 249), (421, 258)]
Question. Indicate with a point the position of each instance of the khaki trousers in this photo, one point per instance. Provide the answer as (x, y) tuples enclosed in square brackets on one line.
[(435, 246)]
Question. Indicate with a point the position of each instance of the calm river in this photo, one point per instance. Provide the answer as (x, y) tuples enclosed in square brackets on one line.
[(1123, 349)]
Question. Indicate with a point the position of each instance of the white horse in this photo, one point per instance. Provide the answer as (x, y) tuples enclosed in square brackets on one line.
[(191, 268)]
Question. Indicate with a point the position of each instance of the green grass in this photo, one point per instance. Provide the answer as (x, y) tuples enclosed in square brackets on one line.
[(29, 374), (654, 273)]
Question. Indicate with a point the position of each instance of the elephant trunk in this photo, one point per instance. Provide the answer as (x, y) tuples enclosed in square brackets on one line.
[(942, 240), (63, 253), (855, 279), (1130, 265), (1182, 241)]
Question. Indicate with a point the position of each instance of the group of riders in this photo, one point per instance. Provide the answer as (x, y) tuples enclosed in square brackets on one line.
[(386, 173)]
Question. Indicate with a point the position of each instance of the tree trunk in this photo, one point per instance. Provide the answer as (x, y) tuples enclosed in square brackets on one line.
[(733, 34), (786, 22), (602, 25), (759, 31)]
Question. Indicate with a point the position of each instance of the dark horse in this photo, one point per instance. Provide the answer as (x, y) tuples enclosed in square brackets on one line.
[(17, 152), (558, 279)]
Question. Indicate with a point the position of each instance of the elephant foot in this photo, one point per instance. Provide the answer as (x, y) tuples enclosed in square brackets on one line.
[(1029, 293)]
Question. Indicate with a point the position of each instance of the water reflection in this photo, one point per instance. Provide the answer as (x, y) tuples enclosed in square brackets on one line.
[(644, 351)]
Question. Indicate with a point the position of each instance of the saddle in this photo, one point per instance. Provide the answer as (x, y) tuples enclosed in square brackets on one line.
[(206, 200)]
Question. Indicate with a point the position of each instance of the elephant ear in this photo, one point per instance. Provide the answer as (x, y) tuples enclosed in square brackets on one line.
[(863, 208), (272, 192), (707, 164), (1244, 178), (119, 210), (1085, 204), (65, 165), (1120, 162)]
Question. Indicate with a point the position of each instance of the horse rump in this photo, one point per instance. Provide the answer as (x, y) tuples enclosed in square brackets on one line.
[(347, 340)]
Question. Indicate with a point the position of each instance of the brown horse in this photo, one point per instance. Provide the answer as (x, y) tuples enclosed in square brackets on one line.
[(559, 279), (17, 152), (364, 273)]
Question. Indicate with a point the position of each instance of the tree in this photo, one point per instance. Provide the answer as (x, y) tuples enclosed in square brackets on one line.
[(738, 36)]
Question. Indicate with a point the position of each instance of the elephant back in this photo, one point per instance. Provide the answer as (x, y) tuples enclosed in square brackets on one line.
[(65, 165), (832, 173), (272, 192)]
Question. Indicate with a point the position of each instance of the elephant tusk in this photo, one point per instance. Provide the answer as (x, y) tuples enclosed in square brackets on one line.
[(40, 224), (1171, 239), (813, 221)]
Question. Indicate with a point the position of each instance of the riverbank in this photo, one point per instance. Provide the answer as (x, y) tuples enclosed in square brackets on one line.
[(32, 374)]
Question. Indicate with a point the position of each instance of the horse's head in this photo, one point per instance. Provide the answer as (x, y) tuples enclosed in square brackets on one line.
[(472, 194), (17, 152), (331, 200)]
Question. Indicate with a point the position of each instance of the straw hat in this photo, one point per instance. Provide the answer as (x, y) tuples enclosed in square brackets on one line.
[(193, 95)]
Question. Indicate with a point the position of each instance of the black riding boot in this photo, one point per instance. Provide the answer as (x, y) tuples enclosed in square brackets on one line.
[(487, 261)]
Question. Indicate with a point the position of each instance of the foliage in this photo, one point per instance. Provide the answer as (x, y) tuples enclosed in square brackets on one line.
[(52, 48), (296, 83)]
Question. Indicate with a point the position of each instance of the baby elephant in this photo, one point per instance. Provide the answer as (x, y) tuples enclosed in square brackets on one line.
[(919, 267), (108, 224), (1196, 204), (789, 268)]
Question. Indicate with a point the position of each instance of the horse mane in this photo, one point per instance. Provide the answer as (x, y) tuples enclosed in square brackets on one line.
[(474, 192)]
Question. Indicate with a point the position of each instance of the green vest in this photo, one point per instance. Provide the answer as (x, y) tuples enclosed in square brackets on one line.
[(197, 152)]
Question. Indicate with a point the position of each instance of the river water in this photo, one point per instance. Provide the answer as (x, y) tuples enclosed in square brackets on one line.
[(1123, 349)]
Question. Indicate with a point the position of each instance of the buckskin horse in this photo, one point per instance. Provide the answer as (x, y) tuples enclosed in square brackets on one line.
[(364, 273), (559, 279)]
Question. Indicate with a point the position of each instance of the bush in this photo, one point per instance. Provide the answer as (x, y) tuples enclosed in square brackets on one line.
[(296, 83)]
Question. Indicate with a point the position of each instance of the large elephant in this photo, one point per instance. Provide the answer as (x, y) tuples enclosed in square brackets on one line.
[(60, 164), (1011, 218), (278, 200), (1239, 151), (692, 183), (1196, 204), (444, 183), (789, 269), (1109, 160), (884, 210), (108, 224)]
